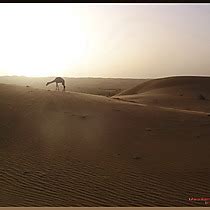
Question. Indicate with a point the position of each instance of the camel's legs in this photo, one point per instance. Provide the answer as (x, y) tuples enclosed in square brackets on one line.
[(57, 87)]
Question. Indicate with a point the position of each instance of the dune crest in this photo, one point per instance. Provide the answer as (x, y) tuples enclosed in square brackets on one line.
[(184, 92)]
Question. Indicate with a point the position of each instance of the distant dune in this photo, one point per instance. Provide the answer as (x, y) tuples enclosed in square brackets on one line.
[(75, 149), (185, 92), (96, 86)]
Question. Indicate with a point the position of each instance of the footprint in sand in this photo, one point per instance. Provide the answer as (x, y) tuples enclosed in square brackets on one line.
[(137, 157), (76, 115), (84, 116), (117, 110)]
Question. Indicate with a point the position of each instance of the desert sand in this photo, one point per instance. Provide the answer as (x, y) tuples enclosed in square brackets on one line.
[(96, 86), (77, 149), (183, 92)]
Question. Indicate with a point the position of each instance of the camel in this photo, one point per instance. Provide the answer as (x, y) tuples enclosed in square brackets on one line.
[(58, 80)]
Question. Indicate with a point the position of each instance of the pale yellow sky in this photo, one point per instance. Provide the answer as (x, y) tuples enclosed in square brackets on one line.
[(108, 40)]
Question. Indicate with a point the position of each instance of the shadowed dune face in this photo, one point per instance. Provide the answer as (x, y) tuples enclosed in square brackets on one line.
[(73, 149), (190, 93)]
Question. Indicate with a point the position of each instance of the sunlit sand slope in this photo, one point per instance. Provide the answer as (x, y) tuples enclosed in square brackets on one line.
[(71, 149), (190, 93)]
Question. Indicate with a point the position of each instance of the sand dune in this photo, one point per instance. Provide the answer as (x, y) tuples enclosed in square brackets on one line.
[(186, 92), (96, 86), (74, 149)]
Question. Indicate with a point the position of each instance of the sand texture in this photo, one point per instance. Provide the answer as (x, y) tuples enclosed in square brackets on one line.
[(76, 149)]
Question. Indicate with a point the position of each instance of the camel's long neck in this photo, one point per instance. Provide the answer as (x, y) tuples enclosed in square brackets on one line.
[(51, 82)]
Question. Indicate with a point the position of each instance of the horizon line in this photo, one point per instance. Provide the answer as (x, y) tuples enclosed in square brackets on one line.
[(98, 77)]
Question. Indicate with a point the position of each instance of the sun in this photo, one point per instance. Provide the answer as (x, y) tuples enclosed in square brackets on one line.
[(46, 54), (36, 44)]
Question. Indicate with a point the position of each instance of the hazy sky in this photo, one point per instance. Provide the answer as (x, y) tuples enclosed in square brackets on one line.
[(105, 40)]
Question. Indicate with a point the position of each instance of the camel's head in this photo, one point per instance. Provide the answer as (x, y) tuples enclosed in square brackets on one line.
[(47, 84)]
